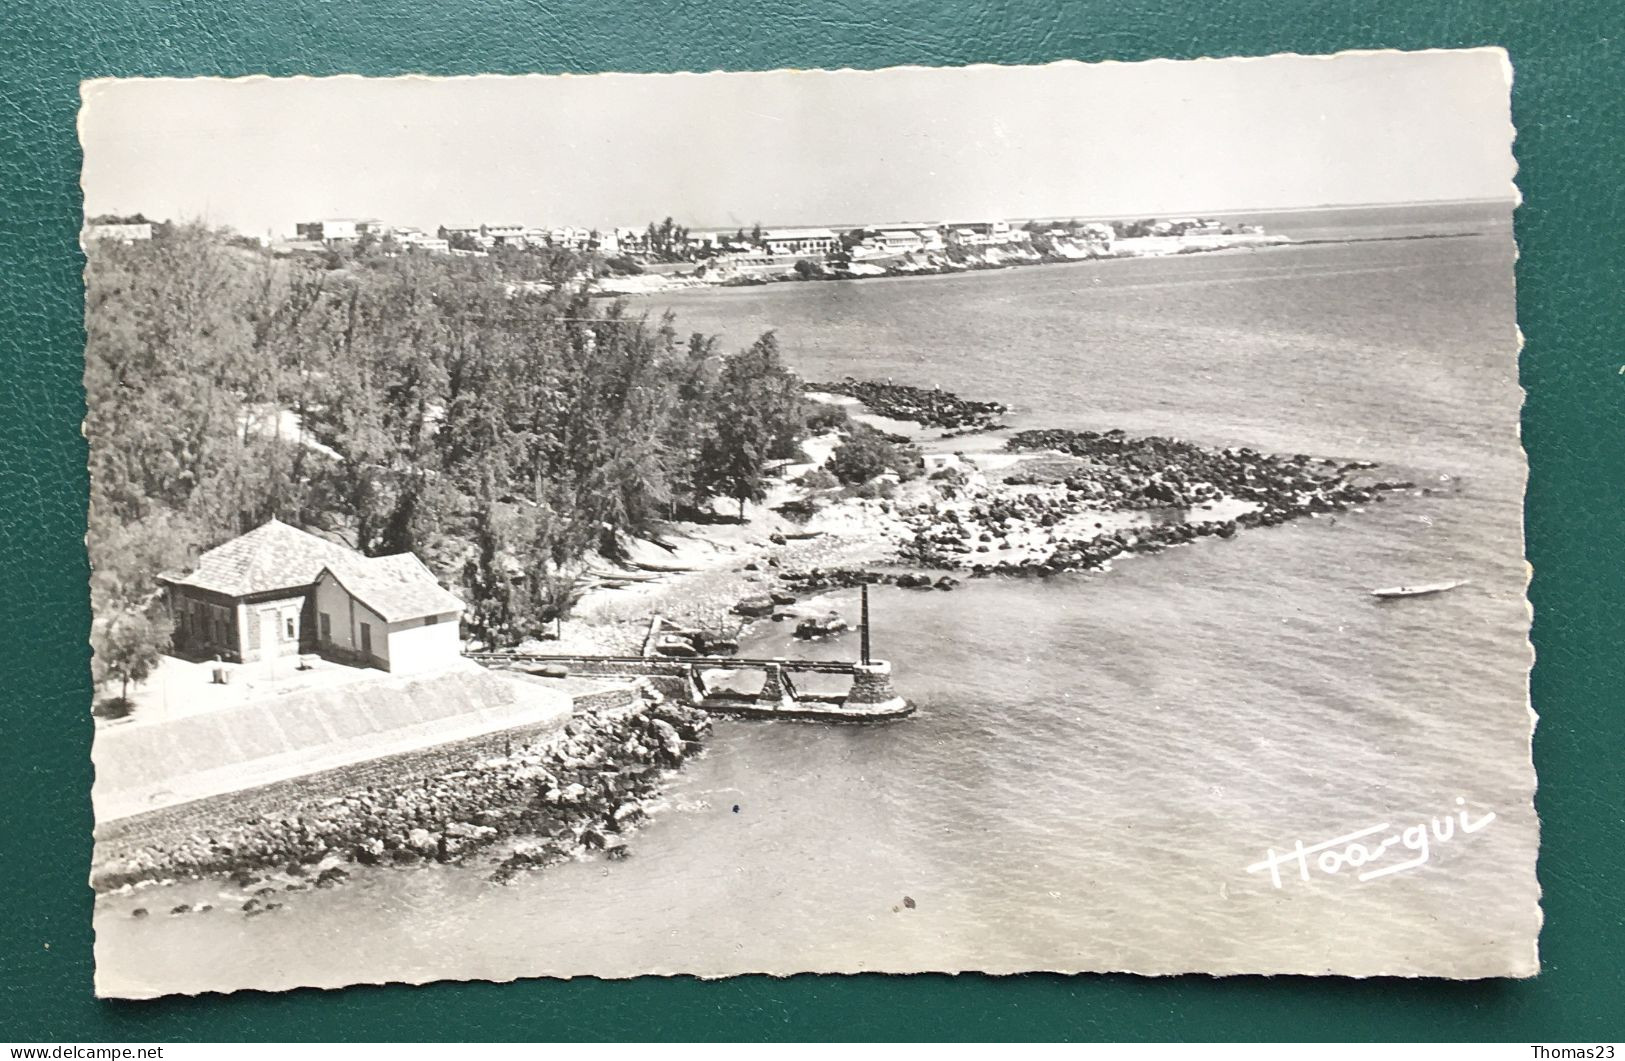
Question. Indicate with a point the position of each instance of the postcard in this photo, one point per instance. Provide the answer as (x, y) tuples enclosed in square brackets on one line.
[(1000, 519)]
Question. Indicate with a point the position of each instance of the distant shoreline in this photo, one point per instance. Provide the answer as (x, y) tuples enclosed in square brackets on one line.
[(763, 276)]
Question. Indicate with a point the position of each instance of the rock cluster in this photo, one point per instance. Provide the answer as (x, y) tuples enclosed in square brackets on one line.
[(818, 579), (1121, 472), (574, 792), (934, 408)]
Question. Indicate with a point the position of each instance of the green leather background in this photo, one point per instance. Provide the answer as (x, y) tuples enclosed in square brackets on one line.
[(1571, 145)]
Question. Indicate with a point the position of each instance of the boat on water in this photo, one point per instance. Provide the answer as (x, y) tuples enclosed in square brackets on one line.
[(821, 629), (1423, 590)]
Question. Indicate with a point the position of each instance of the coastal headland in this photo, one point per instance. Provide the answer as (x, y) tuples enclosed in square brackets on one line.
[(925, 263), (963, 496)]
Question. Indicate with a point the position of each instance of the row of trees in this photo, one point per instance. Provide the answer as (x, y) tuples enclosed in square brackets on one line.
[(668, 241), (410, 402)]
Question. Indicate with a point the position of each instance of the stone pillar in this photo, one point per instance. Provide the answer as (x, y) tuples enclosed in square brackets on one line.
[(695, 685), (872, 691), (774, 695)]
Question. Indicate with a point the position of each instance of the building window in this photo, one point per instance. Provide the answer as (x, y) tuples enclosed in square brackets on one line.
[(288, 627)]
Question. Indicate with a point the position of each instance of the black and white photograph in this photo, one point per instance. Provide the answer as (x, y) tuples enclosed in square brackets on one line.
[(985, 519)]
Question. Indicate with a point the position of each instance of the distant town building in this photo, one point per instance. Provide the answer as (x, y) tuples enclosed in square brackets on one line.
[(131, 233), (982, 233), (279, 591), (506, 235), (423, 242), (901, 238), (568, 237), (334, 229), (472, 234), (804, 242)]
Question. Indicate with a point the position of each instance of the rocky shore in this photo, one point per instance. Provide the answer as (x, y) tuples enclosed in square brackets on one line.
[(933, 408), (1055, 518), (1058, 500), (579, 791), (1028, 503)]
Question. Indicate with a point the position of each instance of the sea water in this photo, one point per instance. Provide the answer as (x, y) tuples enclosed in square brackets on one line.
[(1097, 759)]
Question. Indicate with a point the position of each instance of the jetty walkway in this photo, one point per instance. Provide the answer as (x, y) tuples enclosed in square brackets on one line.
[(870, 698)]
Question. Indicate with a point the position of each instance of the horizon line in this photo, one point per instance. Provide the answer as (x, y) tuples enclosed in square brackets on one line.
[(1514, 198)]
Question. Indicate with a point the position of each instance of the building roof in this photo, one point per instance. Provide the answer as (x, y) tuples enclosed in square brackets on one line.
[(272, 556), (397, 587)]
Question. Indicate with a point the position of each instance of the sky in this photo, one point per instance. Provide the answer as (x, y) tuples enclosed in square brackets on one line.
[(727, 150)]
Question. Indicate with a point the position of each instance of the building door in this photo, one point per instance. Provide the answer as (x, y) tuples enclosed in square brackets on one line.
[(278, 630), (366, 639)]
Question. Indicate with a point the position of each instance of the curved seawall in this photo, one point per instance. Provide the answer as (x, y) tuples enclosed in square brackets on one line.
[(154, 780)]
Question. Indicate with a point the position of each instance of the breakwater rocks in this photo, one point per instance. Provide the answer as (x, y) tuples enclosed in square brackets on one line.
[(1125, 471), (573, 792), (818, 579), (1040, 521), (933, 408)]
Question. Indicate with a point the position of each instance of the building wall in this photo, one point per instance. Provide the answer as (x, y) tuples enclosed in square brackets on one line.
[(415, 646), (341, 636), (205, 623), (240, 629), (263, 626), (811, 245)]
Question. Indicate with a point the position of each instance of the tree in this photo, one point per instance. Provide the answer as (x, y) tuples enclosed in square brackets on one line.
[(757, 415), (128, 648), (867, 453), (501, 429), (124, 219)]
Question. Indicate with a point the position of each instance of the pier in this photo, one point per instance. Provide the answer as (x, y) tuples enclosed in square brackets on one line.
[(693, 679), (870, 698)]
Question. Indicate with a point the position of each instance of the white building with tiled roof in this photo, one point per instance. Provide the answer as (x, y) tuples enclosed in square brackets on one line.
[(389, 612), (278, 591)]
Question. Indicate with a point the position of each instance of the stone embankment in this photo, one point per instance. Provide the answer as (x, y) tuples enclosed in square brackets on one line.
[(574, 791)]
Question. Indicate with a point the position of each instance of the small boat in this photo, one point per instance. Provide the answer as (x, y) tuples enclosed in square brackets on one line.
[(1394, 592), (817, 629)]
